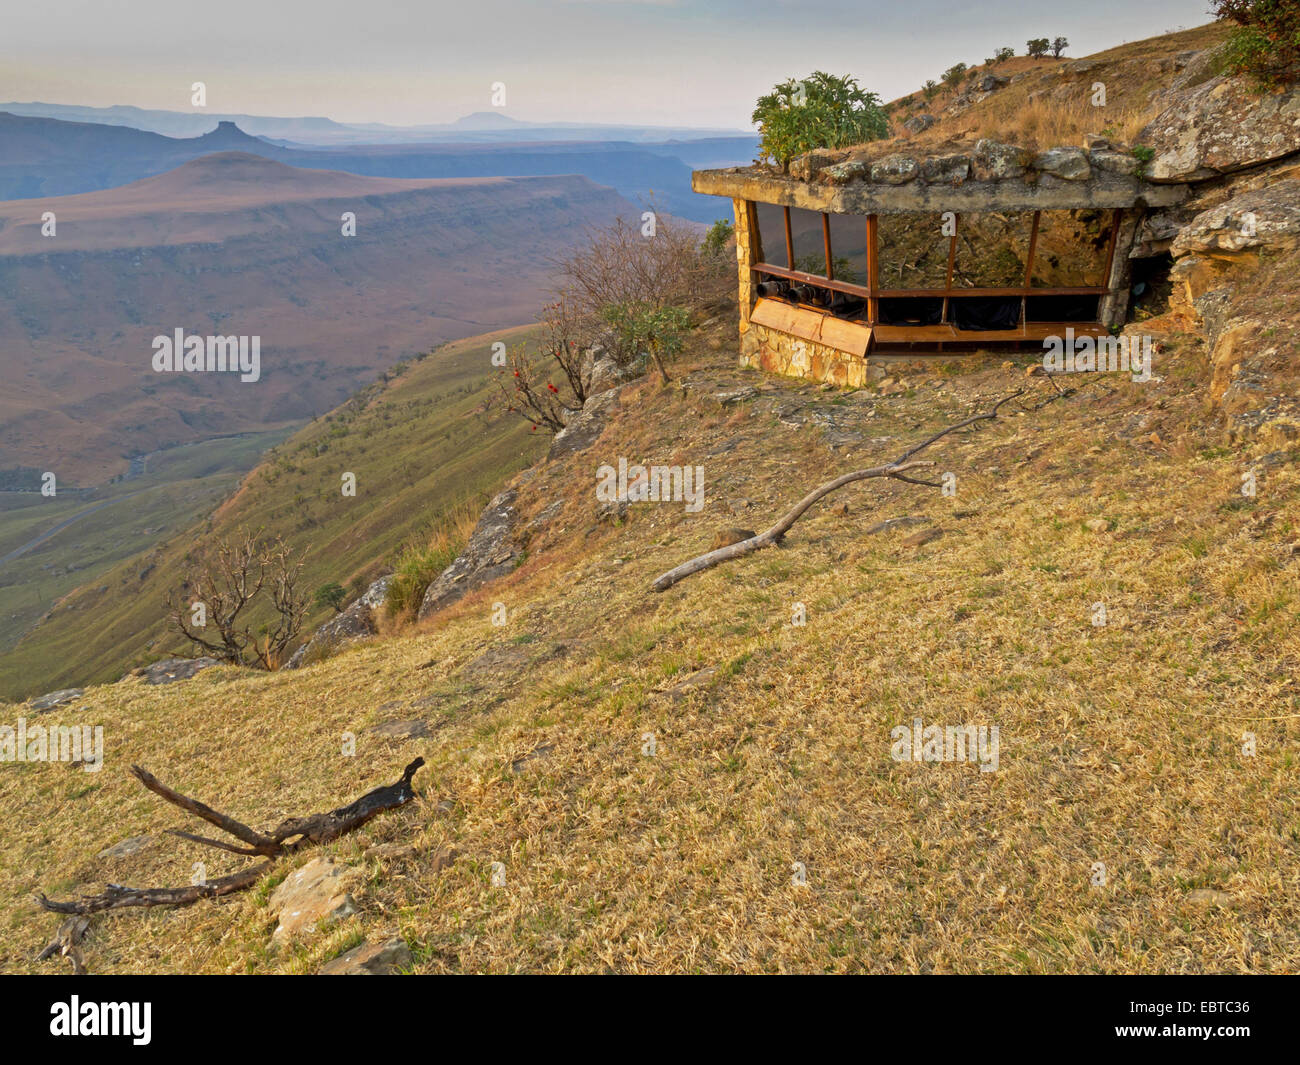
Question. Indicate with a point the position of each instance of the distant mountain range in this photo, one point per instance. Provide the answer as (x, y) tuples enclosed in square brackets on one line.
[(479, 126), (53, 157)]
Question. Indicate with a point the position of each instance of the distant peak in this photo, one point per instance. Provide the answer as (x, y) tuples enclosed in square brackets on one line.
[(228, 130), (481, 119)]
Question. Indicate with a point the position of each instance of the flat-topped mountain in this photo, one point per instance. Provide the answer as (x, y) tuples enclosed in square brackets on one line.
[(235, 244)]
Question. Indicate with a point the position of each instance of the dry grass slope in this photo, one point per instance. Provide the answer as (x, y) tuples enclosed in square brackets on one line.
[(1120, 744)]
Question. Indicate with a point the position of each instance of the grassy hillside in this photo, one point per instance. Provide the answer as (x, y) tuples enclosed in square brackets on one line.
[(86, 533), (421, 445), (1050, 101), (1120, 743)]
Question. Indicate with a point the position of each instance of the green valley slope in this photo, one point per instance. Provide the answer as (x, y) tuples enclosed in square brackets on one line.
[(421, 443)]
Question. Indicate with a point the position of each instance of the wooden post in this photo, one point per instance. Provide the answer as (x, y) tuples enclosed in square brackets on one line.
[(826, 246), (952, 259), (1029, 269), (873, 271), (789, 241)]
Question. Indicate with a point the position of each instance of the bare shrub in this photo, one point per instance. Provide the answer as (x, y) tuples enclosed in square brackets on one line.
[(623, 266), (653, 272), (239, 575)]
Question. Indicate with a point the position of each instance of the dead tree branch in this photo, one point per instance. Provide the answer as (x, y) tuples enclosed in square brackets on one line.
[(895, 470), (67, 943), (290, 836)]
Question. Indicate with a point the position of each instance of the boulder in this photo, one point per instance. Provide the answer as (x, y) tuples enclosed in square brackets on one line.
[(170, 670), (1069, 164), (52, 699), (370, 959), (992, 82), (355, 623), (894, 170), (1113, 162), (919, 123), (1218, 127), (311, 896), (805, 167), (843, 173), (995, 161), (946, 169), (491, 552)]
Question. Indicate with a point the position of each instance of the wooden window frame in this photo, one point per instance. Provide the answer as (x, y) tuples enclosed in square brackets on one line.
[(873, 293)]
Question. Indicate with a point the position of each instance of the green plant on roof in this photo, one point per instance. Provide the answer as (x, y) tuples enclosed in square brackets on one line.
[(819, 111)]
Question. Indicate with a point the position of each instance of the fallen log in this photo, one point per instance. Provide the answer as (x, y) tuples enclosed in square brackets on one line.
[(896, 470), (289, 836)]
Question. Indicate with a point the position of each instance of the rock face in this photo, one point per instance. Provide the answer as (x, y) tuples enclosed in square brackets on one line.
[(585, 427), (312, 895), (605, 373), (492, 552), (1269, 216), (355, 623), (1219, 127), (370, 959)]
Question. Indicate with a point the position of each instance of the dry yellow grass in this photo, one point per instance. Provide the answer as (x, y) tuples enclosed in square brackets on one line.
[(1120, 744), (1051, 104)]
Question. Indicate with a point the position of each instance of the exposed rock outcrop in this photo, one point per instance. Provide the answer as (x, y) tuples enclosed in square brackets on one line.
[(492, 552), (52, 699), (586, 426), (1219, 127), (170, 670), (370, 959), (1264, 217), (355, 623)]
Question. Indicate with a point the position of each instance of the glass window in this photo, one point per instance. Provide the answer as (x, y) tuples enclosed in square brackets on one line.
[(1071, 249), (849, 248), (809, 244), (771, 234), (913, 250), (992, 249)]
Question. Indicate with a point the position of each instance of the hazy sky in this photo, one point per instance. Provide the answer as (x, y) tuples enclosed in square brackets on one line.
[(665, 62)]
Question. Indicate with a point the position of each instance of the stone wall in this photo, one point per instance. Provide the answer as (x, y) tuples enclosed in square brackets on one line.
[(768, 349)]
